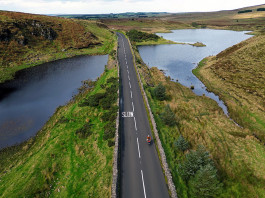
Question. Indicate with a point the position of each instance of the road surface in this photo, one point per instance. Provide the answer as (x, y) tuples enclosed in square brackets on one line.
[(141, 172)]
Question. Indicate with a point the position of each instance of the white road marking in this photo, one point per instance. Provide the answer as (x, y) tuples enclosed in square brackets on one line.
[(130, 85), (135, 124), (129, 77), (143, 183), (132, 106), (128, 72), (138, 149), (131, 94)]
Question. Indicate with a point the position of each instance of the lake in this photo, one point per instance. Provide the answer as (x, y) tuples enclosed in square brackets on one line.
[(27, 102), (178, 61)]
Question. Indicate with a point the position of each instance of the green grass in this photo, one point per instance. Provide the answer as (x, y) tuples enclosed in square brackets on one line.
[(237, 154), (237, 76), (58, 162)]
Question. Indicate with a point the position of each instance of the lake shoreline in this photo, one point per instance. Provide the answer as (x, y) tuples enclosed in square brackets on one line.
[(33, 96), (188, 57)]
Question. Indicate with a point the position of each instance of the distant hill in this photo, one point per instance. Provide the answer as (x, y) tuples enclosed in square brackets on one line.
[(254, 18), (227, 19), (115, 16)]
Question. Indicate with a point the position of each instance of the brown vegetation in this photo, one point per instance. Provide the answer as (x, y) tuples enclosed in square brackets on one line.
[(237, 75), (21, 34), (230, 19), (27, 40), (237, 153)]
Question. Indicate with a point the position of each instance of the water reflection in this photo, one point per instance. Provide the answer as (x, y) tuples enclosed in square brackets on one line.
[(178, 61), (27, 102)]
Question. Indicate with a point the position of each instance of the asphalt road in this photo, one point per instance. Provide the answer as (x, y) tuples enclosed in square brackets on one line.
[(141, 173)]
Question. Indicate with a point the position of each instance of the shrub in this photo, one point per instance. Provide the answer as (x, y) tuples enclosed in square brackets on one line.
[(138, 36), (194, 161), (168, 116), (261, 9), (182, 144), (160, 92), (112, 80), (205, 183), (112, 89), (85, 131), (110, 115), (111, 143), (106, 103), (244, 11), (194, 24), (113, 54), (93, 100), (109, 130)]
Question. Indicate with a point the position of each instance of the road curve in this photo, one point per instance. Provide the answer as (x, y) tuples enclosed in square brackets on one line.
[(141, 173)]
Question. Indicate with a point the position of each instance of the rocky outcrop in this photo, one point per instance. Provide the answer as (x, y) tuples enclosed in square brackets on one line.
[(25, 31), (40, 29), (5, 35)]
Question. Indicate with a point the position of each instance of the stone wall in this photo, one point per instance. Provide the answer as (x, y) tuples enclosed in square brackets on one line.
[(115, 173)]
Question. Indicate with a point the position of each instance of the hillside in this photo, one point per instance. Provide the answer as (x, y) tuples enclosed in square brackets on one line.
[(237, 76), (29, 39), (254, 20), (231, 19)]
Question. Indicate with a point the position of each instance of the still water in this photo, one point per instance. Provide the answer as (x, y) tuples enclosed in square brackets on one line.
[(27, 102), (178, 61)]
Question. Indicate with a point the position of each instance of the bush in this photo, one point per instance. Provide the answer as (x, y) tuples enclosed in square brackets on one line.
[(111, 143), (182, 144), (112, 80), (168, 116), (110, 115), (93, 100), (194, 161), (261, 9), (113, 54), (205, 183), (160, 92), (138, 36), (85, 131), (194, 24), (244, 11), (106, 103), (109, 130)]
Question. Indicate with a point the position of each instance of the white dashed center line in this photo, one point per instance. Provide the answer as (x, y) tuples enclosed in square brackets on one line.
[(135, 124), (138, 149), (143, 183)]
